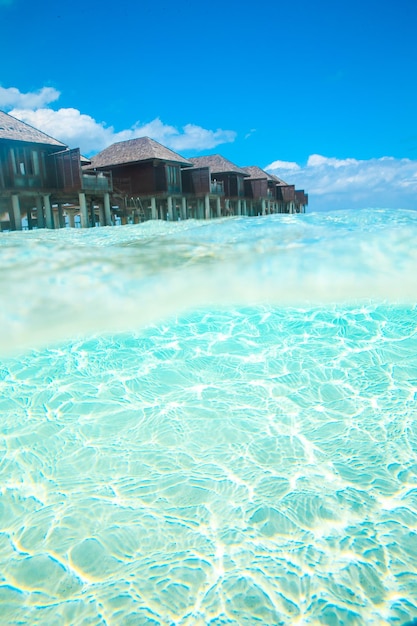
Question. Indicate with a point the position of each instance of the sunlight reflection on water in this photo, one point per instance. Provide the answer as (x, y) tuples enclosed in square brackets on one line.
[(237, 465)]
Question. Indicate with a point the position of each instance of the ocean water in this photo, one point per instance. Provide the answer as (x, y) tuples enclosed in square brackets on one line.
[(210, 423)]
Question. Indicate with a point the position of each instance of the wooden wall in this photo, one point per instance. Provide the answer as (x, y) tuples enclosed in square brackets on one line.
[(301, 197), (233, 184), (286, 193), (196, 180), (29, 166), (135, 179), (67, 169), (256, 188)]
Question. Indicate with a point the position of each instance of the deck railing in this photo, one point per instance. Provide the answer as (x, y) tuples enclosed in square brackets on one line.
[(217, 187), (28, 182), (100, 181)]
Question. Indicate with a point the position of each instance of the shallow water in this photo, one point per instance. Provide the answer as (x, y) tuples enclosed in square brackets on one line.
[(249, 457)]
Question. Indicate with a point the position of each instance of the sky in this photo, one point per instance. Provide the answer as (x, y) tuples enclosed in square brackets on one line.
[(323, 93)]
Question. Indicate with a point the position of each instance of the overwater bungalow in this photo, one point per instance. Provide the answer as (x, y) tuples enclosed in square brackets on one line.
[(270, 194), (45, 184), (228, 178), (147, 179), (42, 184), (204, 196), (260, 188), (301, 201), (290, 200), (152, 182)]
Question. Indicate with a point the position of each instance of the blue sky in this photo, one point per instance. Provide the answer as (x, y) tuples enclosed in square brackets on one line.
[(322, 93)]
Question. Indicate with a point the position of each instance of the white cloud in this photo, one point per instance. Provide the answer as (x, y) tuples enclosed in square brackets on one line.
[(352, 183), (81, 130), (316, 160), (283, 166), (71, 127), (12, 97), (196, 138), (250, 133)]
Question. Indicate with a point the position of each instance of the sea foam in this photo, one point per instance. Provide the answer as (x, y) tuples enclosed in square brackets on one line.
[(66, 283)]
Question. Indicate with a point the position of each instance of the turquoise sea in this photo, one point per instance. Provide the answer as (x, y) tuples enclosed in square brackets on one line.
[(210, 423)]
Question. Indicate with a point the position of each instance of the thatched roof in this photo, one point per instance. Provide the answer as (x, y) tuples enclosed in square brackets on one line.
[(135, 151), (217, 164), (279, 181), (256, 172), (13, 129)]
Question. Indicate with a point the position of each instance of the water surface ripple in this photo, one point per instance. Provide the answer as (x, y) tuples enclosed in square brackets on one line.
[(249, 463)]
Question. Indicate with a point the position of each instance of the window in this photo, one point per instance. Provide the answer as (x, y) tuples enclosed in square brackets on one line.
[(13, 158), (25, 162), (172, 176), (35, 163)]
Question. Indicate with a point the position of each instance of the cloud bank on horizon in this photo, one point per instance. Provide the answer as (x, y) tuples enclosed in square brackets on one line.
[(334, 183), (331, 183)]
